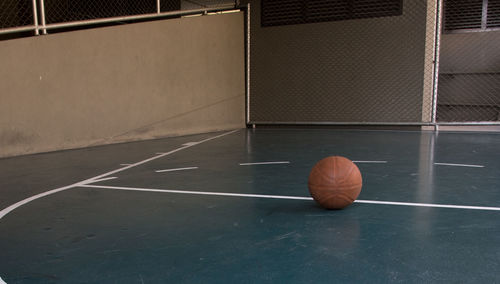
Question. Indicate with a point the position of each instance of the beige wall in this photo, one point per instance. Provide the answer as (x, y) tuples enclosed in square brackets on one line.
[(123, 83)]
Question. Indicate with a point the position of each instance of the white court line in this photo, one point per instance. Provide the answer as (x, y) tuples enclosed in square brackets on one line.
[(9, 209), (428, 205), (290, 197), (103, 179), (459, 165), (198, 192), (265, 163), (370, 162), (177, 169), (190, 143)]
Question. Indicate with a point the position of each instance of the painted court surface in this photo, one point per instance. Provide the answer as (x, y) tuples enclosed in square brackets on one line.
[(233, 207)]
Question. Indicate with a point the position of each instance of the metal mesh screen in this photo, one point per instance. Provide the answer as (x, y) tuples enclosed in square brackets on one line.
[(469, 73), (16, 13), (374, 68)]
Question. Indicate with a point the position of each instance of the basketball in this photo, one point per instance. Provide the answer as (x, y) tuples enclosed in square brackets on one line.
[(335, 182)]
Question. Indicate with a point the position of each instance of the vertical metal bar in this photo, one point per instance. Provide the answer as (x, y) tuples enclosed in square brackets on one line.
[(42, 15), (158, 8), (35, 17), (439, 20), (248, 64), (484, 16)]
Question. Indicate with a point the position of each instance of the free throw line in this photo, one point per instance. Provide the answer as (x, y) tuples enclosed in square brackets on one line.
[(12, 207), (289, 197)]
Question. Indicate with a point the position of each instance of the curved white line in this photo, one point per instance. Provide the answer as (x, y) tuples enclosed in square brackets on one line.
[(7, 210), (12, 207)]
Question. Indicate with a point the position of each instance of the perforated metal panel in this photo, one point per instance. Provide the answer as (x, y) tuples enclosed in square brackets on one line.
[(493, 14), (461, 14), (288, 12)]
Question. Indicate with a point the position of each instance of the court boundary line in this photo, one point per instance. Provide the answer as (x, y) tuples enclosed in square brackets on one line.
[(102, 177), (250, 195)]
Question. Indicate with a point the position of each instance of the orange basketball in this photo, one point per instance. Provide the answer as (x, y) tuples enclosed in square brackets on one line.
[(335, 182)]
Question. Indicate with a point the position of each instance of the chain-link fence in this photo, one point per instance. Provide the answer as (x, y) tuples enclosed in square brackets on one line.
[(374, 61), (469, 73), (338, 62), (18, 13)]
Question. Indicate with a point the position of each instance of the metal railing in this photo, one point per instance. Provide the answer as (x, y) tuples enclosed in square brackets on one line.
[(40, 16)]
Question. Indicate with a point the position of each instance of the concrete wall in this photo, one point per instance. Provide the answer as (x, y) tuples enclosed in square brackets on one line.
[(360, 70), (122, 83)]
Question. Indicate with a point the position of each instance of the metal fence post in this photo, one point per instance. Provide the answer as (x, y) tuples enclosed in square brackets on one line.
[(35, 17), (42, 15), (439, 19)]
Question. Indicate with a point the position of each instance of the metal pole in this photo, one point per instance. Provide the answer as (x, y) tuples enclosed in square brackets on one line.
[(35, 17), (248, 64), (18, 29), (484, 16), (439, 19), (42, 12), (158, 8)]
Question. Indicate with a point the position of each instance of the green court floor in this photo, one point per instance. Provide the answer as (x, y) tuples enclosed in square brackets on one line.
[(233, 207)]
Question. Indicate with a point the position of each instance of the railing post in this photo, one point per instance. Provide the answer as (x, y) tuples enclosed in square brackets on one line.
[(35, 17), (42, 15), (439, 19), (158, 8)]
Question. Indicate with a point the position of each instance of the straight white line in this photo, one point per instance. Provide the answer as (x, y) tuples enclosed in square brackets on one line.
[(160, 156), (177, 169), (198, 192), (428, 205), (9, 209), (289, 197), (459, 165), (125, 164), (265, 163), (190, 143), (370, 162), (103, 179)]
